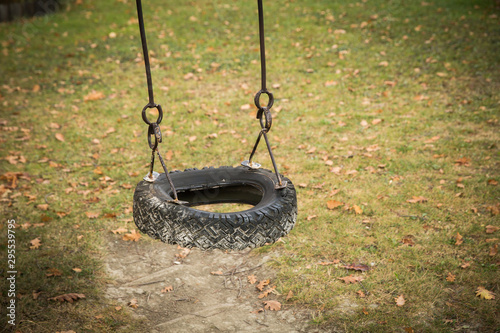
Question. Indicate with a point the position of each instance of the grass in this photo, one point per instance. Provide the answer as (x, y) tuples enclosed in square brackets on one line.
[(376, 102)]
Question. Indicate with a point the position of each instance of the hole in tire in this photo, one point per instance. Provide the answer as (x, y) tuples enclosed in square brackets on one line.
[(222, 199), (224, 207)]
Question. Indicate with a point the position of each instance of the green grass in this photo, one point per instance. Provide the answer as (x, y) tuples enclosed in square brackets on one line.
[(441, 79)]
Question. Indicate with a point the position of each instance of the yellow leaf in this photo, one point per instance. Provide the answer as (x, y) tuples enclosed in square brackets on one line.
[(484, 294), (450, 277)]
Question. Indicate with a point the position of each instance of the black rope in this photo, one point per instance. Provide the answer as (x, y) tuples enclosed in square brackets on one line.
[(146, 54), (262, 45), (154, 127)]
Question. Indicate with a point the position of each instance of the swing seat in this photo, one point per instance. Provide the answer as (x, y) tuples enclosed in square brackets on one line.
[(272, 216)]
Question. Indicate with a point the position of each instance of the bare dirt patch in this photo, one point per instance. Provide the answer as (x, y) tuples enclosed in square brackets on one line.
[(179, 291)]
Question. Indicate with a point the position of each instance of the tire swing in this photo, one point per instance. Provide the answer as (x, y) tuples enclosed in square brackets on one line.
[(165, 204)]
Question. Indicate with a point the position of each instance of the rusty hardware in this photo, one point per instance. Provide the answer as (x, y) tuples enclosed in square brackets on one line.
[(264, 112), (153, 127)]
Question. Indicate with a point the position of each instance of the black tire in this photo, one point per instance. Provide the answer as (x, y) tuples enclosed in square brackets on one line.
[(274, 213)]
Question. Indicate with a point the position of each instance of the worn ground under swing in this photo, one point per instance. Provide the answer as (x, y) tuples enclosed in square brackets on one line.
[(182, 290)]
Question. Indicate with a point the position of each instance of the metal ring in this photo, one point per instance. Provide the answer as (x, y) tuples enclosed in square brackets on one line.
[(257, 99), (151, 106), (151, 132)]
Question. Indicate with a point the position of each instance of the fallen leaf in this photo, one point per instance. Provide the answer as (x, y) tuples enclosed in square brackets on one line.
[(361, 294), (216, 273), (289, 295), (258, 311), (67, 297), (463, 161), (417, 199), (167, 289), (133, 303), (400, 301), (43, 206), (53, 272), (493, 250), (481, 292), (357, 267), (78, 270), (357, 209), (491, 229), (267, 292), (35, 243), (272, 305), (492, 182), (168, 155), (326, 263), (252, 279), (92, 215), (133, 236), (35, 294), (332, 204), (262, 284), (465, 265), (94, 96), (450, 277), (351, 279), (310, 217), (118, 308), (60, 137), (408, 240), (459, 239)]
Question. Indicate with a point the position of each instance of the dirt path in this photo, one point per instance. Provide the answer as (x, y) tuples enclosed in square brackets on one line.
[(199, 301)]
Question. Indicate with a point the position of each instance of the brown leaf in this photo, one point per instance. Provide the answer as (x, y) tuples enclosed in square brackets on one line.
[(43, 206), (53, 272), (408, 240), (60, 137), (267, 292), (289, 295), (450, 277), (357, 267), (134, 236), (351, 279), (493, 250), (94, 96), (463, 161), (272, 305), (310, 217), (67, 297), (491, 229), (133, 303), (262, 284), (35, 294), (417, 199), (168, 155), (400, 301), (332, 204), (465, 265), (326, 263), (357, 209), (35, 243), (361, 293), (492, 182), (92, 215), (252, 279), (167, 289), (459, 239), (258, 311), (120, 230), (481, 292), (216, 273), (78, 270)]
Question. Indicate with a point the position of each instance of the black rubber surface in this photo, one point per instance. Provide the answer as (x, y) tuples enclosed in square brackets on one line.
[(274, 213)]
